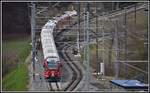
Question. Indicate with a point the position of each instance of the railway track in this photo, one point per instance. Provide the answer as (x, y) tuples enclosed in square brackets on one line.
[(77, 74), (76, 71), (54, 86)]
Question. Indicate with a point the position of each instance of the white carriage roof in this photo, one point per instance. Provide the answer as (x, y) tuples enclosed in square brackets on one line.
[(48, 44)]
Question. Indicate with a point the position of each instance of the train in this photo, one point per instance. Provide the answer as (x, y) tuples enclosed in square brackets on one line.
[(52, 63)]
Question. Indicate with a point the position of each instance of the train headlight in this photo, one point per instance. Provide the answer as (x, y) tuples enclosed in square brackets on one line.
[(52, 73)]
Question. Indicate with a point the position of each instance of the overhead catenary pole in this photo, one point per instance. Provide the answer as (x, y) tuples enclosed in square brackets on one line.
[(33, 35), (97, 59), (125, 38), (116, 50), (116, 46), (78, 32), (84, 61), (103, 51), (111, 48), (87, 45)]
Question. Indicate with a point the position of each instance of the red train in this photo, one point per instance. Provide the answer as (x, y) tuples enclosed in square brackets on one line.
[(52, 64)]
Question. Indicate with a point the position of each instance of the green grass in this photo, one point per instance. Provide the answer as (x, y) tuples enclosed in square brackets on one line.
[(15, 79), (20, 47)]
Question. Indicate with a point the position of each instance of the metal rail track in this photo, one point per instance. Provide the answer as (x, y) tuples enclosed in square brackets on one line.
[(77, 74), (76, 71), (54, 86)]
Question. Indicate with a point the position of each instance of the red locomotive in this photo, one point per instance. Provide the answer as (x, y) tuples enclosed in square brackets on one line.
[(52, 69)]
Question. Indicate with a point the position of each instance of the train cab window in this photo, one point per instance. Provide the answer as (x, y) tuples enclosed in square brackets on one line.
[(51, 64)]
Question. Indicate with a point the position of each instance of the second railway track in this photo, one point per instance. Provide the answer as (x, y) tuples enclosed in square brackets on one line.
[(77, 75), (76, 71)]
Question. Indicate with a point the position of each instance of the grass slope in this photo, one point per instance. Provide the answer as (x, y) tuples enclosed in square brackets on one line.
[(16, 78)]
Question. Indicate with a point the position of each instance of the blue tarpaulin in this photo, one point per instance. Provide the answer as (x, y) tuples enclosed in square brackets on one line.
[(130, 84)]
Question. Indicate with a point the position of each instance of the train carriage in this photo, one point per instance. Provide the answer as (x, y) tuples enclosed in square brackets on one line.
[(52, 63)]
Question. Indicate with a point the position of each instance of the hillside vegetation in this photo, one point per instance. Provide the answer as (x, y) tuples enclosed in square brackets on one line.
[(15, 71)]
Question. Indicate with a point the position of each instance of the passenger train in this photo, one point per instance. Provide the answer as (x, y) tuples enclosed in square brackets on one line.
[(52, 63)]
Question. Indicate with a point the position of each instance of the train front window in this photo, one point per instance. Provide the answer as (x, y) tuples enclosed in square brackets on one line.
[(52, 64)]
